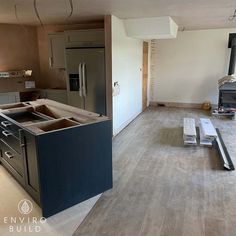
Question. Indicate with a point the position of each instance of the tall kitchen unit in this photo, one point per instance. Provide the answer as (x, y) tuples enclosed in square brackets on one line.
[(85, 67)]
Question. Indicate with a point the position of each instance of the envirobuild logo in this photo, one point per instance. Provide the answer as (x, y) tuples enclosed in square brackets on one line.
[(24, 223)]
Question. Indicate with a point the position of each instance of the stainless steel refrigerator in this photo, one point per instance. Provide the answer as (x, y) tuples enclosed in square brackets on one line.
[(86, 82)]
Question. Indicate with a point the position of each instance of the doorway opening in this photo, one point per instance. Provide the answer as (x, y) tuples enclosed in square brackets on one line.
[(145, 76)]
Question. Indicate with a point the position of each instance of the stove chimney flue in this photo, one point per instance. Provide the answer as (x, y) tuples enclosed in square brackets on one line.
[(232, 45)]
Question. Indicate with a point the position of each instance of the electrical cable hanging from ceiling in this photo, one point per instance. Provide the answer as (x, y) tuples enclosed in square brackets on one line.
[(37, 13), (231, 18), (71, 9), (16, 15)]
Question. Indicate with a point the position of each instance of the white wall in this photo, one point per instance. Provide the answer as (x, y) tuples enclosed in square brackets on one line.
[(189, 67), (126, 69)]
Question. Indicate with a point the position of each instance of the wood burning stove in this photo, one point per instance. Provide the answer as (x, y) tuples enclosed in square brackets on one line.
[(227, 91), (227, 96)]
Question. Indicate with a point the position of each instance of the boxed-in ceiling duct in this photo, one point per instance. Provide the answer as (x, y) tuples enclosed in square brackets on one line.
[(151, 28)]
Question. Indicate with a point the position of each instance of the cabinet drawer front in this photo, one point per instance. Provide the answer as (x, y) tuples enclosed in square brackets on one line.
[(10, 139), (12, 158), (9, 126)]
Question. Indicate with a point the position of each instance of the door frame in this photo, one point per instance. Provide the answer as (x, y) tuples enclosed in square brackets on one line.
[(145, 75)]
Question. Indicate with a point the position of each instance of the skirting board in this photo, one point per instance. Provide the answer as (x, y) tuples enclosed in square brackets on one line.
[(177, 104)]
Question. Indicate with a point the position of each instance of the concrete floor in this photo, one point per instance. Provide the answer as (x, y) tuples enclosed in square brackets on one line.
[(163, 188), (61, 224)]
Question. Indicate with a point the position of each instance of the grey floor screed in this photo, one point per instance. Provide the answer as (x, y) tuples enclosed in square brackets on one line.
[(162, 188)]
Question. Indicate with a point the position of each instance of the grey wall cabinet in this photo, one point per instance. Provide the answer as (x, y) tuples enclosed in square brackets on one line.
[(76, 38), (10, 97), (56, 50), (85, 38)]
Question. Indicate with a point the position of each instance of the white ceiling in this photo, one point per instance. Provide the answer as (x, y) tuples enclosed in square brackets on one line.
[(191, 14)]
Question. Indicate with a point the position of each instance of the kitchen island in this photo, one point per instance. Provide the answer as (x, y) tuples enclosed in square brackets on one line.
[(60, 155)]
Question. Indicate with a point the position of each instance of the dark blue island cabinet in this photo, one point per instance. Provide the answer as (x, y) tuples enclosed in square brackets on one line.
[(61, 155)]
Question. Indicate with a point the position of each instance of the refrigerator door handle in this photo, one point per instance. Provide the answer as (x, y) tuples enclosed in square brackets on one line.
[(84, 80), (80, 80)]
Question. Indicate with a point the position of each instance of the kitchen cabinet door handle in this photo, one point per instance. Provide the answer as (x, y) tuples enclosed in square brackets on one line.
[(6, 133), (9, 155), (5, 123), (84, 80), (80, 80)]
